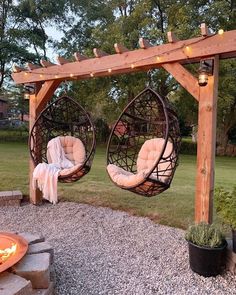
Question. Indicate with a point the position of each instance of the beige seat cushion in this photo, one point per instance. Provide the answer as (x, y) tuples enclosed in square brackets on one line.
[(74, 151), (124, 178), (148, 154), (67, 171)]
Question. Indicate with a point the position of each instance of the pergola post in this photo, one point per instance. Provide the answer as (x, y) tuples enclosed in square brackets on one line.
[(206, 143), (35, 195), (37, 102)]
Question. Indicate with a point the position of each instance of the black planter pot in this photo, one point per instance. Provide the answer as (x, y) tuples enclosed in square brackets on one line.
[(234, 239), (205, 261)]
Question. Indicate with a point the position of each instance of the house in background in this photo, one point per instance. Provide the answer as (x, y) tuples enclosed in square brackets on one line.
[(3, 108)]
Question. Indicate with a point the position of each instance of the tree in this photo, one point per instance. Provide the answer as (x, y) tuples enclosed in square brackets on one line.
[(22, 31), (23, 39), (101, 24), (217, 14)]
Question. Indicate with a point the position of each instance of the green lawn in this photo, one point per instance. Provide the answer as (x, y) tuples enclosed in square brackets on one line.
[(174, 207)]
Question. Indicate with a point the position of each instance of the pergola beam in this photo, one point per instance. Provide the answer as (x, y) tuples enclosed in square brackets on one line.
[(46, 63), (184, 77), (144, 43), (171, 37), (183, 52), (119, 48)]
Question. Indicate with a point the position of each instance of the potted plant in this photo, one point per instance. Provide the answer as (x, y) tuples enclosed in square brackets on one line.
[(207, 247), (225, 203)]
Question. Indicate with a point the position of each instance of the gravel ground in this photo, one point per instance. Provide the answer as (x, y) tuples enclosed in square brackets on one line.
[(101, 251)]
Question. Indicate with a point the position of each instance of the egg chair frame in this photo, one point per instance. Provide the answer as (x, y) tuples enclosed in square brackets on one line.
[(63, 117), (147, 116)]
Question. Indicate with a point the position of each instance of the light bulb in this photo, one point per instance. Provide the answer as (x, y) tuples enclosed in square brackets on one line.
[(221, 32), (203, 79)]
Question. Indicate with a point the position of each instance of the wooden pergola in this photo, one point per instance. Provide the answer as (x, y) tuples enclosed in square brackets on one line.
[(172, 57)]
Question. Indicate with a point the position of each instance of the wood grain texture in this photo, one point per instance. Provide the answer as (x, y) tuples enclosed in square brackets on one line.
[(37, 102), (206, 147), (186, 51), (184, 77)]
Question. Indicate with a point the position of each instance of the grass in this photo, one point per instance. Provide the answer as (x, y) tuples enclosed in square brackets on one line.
[(175, 207)]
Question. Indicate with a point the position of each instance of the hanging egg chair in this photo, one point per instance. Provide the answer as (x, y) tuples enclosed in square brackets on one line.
[(64, 118), (143, 148)]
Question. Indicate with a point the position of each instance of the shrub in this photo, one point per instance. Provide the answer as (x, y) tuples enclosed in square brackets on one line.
[(102, 130), (225, 203), (188, 148), (14, 135), (207, 235)]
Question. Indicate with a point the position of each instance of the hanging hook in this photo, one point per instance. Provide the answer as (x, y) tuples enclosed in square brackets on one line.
[(66, 87), (149, 82)]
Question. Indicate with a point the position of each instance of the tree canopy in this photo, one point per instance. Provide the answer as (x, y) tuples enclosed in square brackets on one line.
[(101, 23)]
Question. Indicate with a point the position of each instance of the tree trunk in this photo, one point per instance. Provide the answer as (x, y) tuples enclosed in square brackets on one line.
[(222, 140)]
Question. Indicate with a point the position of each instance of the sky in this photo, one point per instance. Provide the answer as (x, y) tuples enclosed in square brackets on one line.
[(56, 35)]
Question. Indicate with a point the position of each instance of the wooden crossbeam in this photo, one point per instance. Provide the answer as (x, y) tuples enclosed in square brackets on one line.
[(46, 63), (119, 48), (144, 44), (204, 30), (61, 60), (184, 52), (99, 53), (183, 76), (171, 37), (31, 66), (17, 69), (79, 57)]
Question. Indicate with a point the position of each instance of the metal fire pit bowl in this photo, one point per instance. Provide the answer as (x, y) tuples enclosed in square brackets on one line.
[(6, 241)]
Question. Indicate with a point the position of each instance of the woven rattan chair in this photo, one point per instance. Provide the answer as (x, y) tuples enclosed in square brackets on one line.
[(67, 119), (143, 147)]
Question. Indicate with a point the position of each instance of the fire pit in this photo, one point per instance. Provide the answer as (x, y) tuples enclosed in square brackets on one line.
[(26, 264), (12, 249)]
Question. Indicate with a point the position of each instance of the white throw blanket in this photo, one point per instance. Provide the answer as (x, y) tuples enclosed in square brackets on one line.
[(45, 176)]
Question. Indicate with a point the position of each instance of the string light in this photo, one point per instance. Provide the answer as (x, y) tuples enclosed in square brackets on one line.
[(56, 76), (158, 58), (109, 70), (71, 75), (91, 74), (221, 32), (41, 76), (25, 73), (187, 48), (132, 66)]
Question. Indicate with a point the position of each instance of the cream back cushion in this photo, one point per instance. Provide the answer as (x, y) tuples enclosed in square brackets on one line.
[(74, 149), (150, 152)]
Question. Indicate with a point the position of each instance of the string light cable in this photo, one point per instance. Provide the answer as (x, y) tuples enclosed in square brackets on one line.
[(133, 65)]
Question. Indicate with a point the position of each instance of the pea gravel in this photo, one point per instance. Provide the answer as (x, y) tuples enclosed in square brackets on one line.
[(101, 251)]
